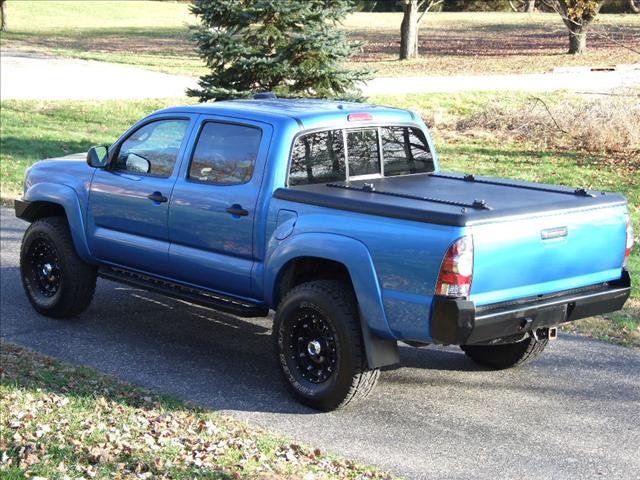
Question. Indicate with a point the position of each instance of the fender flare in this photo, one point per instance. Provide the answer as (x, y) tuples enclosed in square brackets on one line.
[(67, 198), (380, 344)]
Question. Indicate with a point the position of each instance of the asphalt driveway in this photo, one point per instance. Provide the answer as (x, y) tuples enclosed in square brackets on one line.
[(573, 413), (34, 76)]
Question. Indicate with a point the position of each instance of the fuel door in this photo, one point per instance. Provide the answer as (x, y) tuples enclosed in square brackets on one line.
[(285, 224)]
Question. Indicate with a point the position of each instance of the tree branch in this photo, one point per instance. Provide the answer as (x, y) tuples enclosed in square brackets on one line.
[(432, 3), (613, 40), (513, 7), (551, 115)]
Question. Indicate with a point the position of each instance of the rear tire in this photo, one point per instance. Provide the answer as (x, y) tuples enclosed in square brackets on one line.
[(508, 355), (57, 282), (318, 342)]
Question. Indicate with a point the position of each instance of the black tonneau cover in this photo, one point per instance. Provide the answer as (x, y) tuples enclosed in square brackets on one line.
[(448, 198)]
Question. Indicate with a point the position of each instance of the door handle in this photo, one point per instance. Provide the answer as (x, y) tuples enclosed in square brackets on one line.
[(237, 211), (157, 197)]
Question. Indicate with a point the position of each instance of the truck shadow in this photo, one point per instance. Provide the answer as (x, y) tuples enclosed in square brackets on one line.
[(218, 361)]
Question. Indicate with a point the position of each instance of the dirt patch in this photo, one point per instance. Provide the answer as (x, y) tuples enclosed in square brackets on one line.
[(171, 42), (492, 41), (497, 44)]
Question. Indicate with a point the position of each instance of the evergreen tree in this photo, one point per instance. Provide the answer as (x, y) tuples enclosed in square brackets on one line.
[(291, 47)]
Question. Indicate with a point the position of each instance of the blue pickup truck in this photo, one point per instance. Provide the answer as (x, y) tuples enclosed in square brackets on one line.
[(335, 215)]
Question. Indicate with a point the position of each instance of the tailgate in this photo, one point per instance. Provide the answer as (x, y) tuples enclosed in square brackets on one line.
[(544, 254)]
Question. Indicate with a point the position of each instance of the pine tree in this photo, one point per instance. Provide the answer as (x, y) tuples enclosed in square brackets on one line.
[(293, 48)]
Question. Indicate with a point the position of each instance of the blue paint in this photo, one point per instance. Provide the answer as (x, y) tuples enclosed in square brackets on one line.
[(393, 263)]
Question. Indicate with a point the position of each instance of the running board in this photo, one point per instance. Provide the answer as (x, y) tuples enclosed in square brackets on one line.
[(198, 296)]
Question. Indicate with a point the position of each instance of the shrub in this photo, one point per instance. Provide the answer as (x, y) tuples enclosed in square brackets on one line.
[(599, 124)]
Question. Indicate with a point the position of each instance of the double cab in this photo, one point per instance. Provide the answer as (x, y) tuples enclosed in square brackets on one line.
[(336, 216)]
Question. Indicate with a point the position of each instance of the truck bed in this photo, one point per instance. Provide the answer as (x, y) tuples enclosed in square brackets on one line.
[(449, 198)]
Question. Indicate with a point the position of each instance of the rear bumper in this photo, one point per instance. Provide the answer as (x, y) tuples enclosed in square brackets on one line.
[(460, 322)]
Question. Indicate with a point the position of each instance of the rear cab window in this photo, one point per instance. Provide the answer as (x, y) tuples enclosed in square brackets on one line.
[(359, 154)]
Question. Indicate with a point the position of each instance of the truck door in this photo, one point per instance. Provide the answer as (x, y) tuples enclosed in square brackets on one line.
[(213, 206), (127, 219)]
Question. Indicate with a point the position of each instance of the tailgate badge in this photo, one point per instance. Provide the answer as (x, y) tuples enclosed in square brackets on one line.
[(556, 232)]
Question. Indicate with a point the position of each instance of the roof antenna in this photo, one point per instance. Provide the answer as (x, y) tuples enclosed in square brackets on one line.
[(265, 96)]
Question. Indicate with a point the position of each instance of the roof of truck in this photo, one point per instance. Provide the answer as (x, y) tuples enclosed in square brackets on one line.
[(304, 111)]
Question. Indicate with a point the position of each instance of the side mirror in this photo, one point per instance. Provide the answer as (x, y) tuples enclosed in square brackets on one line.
[(97, 157), (138, 164)]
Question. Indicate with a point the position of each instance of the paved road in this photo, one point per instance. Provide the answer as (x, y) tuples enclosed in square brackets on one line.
[(577, 80), (32, 76), (41, 77), (573, 414)]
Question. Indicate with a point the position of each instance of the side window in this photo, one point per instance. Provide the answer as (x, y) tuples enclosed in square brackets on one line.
[(364, 157), (318, 158), (152, 149), (405, 151), (225, 154)]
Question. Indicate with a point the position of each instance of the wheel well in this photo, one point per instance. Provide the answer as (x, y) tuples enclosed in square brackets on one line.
[(37, 210), (306, 269), (380, 351)]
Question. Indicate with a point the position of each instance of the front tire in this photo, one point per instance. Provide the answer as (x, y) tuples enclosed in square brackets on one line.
[(57, 282), (318, 342), (509, 355)]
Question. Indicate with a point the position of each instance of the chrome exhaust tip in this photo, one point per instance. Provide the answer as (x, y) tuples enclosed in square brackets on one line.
[(550, 333)]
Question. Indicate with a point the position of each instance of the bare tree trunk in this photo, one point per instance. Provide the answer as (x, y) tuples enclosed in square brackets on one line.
[(3, 15), (577, 42), (579, 25), (634, 5), (531, 6), (409, 30)]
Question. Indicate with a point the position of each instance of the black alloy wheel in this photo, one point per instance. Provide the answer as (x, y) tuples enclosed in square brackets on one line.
[(44, 267), (312, 347), (318, 342), (57, 282)]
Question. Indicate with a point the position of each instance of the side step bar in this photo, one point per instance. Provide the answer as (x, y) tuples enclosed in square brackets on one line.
[(204, 298)]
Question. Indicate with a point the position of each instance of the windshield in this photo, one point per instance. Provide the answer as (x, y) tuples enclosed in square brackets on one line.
[(373, 152)]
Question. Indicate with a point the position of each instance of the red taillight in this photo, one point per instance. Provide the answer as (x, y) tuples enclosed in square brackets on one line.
[(456, 272), (629, 244), (359, 117)]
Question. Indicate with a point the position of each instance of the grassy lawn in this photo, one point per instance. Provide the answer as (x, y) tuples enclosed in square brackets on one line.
[(146, 34), (32, 130), (62, 421), (155, 35)]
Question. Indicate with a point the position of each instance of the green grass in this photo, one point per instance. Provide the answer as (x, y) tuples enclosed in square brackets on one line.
[(61, 421), (32, 130), (147, 34), (155, 35)]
